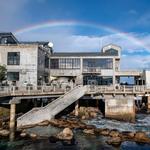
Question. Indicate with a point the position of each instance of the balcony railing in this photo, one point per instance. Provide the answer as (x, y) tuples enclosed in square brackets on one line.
[(92, 70)]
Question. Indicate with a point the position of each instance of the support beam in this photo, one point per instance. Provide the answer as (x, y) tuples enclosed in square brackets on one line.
[(77, 108), (12, 121), (148, 103)]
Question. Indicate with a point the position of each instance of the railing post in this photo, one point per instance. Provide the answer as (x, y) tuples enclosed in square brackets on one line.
[(124, 90), (13, 88)]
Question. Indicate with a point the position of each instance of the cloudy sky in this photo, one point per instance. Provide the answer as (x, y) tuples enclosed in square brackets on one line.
[(83, 25)]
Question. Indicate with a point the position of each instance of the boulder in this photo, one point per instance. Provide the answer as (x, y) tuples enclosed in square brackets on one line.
[(33, 135), (66, 134), (105, 132), (114, 133), (4, 132), (141, 137), (127, 135), (115, 141), (88, 131), (93, 114), (23, 134)]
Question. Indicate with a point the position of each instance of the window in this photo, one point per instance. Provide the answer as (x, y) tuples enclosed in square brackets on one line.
[(112, 52), (13, 76), (13, 58), (54, 63), (65, 63), (103, 63)]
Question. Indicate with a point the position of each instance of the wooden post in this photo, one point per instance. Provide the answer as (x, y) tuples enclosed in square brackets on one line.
[(12, 121), (76, 108)]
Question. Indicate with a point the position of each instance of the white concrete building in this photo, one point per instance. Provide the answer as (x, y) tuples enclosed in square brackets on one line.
[(26, 62)]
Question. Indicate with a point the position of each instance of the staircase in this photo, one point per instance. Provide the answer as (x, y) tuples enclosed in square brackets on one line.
[(37, 115)]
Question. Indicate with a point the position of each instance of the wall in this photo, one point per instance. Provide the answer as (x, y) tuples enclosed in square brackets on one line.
[(120, 108), (28, 62)]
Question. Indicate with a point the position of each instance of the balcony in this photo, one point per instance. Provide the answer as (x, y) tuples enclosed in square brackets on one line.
[(92, 70)]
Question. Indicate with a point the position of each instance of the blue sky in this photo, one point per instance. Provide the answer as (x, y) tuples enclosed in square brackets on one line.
[(83, 25)]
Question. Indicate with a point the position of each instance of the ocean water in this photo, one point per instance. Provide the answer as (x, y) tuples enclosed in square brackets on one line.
[(83, 141)]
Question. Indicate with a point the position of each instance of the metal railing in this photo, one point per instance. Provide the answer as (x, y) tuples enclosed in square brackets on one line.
[(92, 70)]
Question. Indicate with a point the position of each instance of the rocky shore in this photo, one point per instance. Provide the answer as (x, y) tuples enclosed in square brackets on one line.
[(115, 137), (69, 124)]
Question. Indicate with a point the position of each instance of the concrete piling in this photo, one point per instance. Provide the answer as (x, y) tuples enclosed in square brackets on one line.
[(12, 122)]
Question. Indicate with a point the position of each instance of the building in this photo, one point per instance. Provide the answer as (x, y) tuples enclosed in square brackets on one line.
[(97, 68), (35, 63), (26, 62)]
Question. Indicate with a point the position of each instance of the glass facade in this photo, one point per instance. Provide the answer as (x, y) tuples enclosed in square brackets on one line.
[(13, 58), (13, 76), (96, 80), (111, 52), (65, 63), (101, 63)]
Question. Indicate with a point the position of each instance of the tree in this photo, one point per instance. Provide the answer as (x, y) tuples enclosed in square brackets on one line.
[(3, 71)]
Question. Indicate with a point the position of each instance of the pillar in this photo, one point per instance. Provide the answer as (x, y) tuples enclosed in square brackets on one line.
[(76, 108), (148, 103), (97, 103), (12, 121)]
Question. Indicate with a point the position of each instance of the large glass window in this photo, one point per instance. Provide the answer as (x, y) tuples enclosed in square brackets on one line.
[(13, 76), (112, 52), (13, 58), (103, 63), (54, 63), (65, 63)]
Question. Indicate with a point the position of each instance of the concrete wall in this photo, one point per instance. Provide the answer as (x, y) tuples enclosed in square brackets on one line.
[(120, 109), (28, 62), (146, 76)]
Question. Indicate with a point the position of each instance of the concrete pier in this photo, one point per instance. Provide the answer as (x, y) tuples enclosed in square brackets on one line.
[(12, 121), (148, 103), (120, 109), (76, 108)]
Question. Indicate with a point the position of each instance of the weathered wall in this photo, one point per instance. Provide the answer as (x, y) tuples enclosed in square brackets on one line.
[(120, 109), (28, 62)]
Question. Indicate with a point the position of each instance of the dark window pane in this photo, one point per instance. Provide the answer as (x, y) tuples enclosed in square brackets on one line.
[(13, 76), (13, 58), (54, 63)]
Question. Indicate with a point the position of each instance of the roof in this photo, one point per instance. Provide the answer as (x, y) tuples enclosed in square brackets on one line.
[(9, 34), (78, 54), (34, 42)]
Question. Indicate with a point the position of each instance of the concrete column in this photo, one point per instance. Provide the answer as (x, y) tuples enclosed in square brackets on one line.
[(12, 121), (76, 108), (148, 103)]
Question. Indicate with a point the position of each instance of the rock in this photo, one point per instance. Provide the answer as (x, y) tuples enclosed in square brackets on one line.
[(115, 141), (44, 123), (114, 133), (23, 134), (33, 135), (141, 137), (83, 117), (88, 131), (93, 114), (66, 134), (53, 139), (127, 135), (4, 132), (105, 132)]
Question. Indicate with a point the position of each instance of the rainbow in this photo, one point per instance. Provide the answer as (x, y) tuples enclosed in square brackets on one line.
[(84, 24)]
